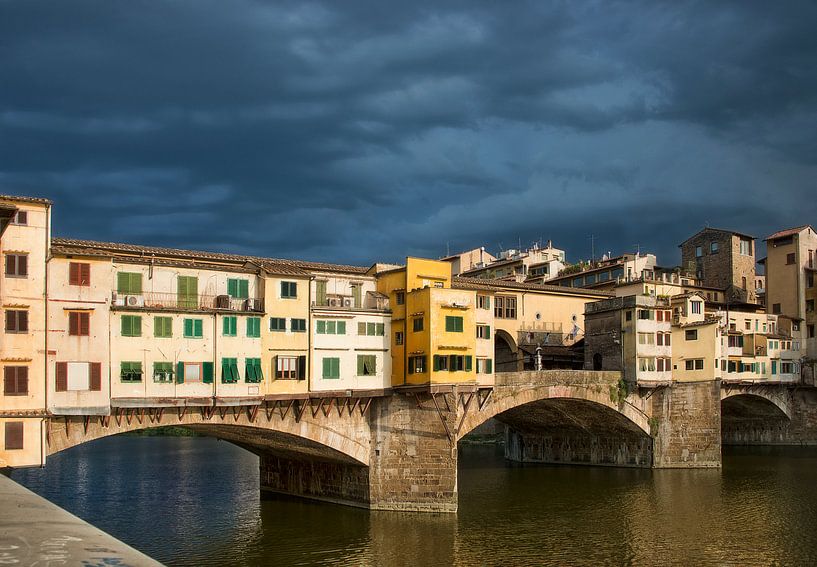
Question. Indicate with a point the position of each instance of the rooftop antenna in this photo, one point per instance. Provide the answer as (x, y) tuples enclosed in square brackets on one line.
[(638, 250), (592, 238)]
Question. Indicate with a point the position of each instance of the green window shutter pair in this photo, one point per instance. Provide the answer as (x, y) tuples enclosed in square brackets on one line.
[(341, 328), (131, 326), (230, 326), (188, 295), (254, 327), (131, 371), (320, 292), (193, 328), (453, 324), (238, 289), (229, 370), (366, 365), (162, 371), (357, 294), (129, 283), (163, 327), (331, 368), (321, 327), (253, 372)]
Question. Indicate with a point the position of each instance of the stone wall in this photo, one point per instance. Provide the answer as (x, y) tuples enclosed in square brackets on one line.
[(762, 423), (577, 449), (320, 480), (686, 425)]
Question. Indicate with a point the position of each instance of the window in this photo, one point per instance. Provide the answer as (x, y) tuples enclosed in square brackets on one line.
[(16, 321), (17, 265), (689, 365), (746, 246), (440, 362), (366, 365), (14, 435), (238, 288), (331, 368), (320, 292), (691, 334), (646, 338), (646, 364), (663, 339), (357, 295), (194, 372), (20, 218), (298, 325), (398, 337), (331, 327), (289, 290), (252, 371), (696, 307), (628, 316), (79, 273), (453, 324), (188, 294), (698, 252), (79, 323), (163, 371), (810, 331), (15, 381), (484, 366), (400, 297), (78, 376), (713, 247), (747, 325), (371, 329), (230, 326), (163, 327), (254, 327), (130, 372), (790, 258), (278, 324), (645, 314), (483, 302), (129, 283), (417, 364), (290, 367), (695, 364), (810, 280), (193, 328), (776, 308), (417, 324), (131, 325), (229, 370), (483, 332), (809, 305)]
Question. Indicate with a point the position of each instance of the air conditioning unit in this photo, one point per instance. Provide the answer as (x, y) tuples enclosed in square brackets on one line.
[(334, 302), (222, 302), (134, 301), (118, 300), (347, 301)]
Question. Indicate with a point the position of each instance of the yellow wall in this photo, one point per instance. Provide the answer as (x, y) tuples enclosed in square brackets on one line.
[(284, 343), (706, 347), (421, 272)]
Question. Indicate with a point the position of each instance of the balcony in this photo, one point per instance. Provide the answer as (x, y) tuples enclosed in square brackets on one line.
[(372, 301), (175, 302)]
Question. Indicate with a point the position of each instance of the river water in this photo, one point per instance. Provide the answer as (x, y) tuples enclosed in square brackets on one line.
[(195, 501)]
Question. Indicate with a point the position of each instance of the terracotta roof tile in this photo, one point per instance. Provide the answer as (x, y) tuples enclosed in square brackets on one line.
[(787, 232), (23, 199), (497, 285)]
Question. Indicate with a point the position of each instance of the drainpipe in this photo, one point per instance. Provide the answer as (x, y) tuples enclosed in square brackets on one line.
[(45, 328), (309, 335)]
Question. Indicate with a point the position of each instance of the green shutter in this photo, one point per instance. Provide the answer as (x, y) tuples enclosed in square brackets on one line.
[(122, 281), (468, 364), (180, 373), (449, 324), (487, 332), (436, 362), (197, 328), (321, 327), (188, 291), (380, 329), (226, 326), (360, 364), (341, 327), (336, 367), (326, 368), (356, 293), (188, 328), (207, 373), (243, 289), (232, 287), (489, 366), (320, 292), (361, 328)]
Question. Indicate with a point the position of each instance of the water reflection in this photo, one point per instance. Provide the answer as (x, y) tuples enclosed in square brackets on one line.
[(195, 501)]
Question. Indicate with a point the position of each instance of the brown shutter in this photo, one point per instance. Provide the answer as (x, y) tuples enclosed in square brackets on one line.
[(11, 321), (302, 367), (11, 267), (22, 321), (9, 380), (14, 435), (22, 265), (73, 273), (61, 384), (84, 324), (96, 376), (85, 274), (22, 379), (73, 323)]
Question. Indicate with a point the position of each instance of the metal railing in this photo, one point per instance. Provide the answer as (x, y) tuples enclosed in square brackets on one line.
[(158, 300)]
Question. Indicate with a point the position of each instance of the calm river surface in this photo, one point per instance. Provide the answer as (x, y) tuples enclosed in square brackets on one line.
[(195, 501)]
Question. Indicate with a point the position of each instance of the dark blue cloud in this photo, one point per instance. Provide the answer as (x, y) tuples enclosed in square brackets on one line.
[(362, 131)]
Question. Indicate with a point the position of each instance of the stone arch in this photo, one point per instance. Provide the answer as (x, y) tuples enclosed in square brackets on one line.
[(599, 396), (759, 403), (507, 356), (344, 440)]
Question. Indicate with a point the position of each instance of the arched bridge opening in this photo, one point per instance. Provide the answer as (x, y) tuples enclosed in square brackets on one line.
[(507, 356), (754, 418)]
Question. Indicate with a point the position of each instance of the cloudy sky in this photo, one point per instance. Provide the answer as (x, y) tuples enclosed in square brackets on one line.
[(361, 131)]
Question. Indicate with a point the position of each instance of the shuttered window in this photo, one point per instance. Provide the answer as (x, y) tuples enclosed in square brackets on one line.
[(252, 370), (230, 326), (371, 329), (483, 332), (331, 368), (193, 329), (129, 283), (229, 370), (79, 323), (238, 288), (79, 273), (17, 265), (188, 294), (163, 327), (366, 365), (418, 324), (254, 327), (14, 435), (453, 324), (15, 381), (16, 321), (163, 372), (131, 325), (357, 295), (320, 292), (95, 376), (130, 371), (331, 327)]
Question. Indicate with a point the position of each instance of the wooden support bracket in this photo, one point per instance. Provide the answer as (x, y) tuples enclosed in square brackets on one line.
[(252, 413), (314, 409), (86, 422), (284, 412), (301, 409), (484, 400), (328, 407)]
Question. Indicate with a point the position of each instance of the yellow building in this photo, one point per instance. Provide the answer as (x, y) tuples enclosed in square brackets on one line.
[(25, 230)]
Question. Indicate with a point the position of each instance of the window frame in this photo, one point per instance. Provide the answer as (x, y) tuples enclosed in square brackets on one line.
[(14, 259)]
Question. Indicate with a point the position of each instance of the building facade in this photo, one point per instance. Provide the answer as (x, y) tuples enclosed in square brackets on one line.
[(722, 259)]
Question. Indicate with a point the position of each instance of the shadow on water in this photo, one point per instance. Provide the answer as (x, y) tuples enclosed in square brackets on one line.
[(195, 501)]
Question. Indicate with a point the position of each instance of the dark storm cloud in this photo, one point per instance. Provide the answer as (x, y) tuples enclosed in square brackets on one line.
[(363, 131)]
